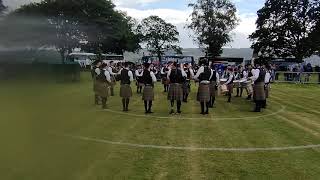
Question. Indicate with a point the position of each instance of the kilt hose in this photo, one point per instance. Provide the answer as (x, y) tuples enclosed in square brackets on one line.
[(212, 88), (267, 90), (101, 89), (259, 92), (203, 93), (175, 92), (230, 88), (165, 81), (125, 91), (186, 87), (148, 93)]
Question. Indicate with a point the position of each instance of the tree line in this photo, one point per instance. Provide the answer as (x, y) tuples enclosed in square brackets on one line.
[(288, 28)]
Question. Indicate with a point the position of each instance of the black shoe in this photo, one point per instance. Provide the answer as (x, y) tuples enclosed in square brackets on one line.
[(171, 112), (104, 107), (179, 112), (206, 112)]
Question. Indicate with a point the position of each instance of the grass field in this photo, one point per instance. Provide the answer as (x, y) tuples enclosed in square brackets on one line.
[(52, 131)]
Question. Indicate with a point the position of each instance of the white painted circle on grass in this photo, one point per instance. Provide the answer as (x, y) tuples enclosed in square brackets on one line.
[(218, 149), (198, 118)]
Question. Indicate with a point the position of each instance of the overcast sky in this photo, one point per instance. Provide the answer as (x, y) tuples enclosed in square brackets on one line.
[(177, 12)]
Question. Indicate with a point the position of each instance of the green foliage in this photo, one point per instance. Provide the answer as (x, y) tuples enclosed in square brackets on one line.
[(159, 35), (2, 7), (212, 22), (283, 28), (94, 25)]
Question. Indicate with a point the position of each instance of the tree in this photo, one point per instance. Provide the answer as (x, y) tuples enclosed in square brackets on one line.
[(159, 36), (212, 21), (2, 7), (283, 28), (68, 23)]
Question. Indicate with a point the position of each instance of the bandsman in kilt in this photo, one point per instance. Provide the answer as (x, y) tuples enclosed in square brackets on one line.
[(214, 82), (176, 78), (95, 68), (203, 76), (187, 84), (149, 79), (126, 77), (247, 73), (239, 76), (102, 84), (267, 82), (139, 82), (229, 83), (259, 95), (164, 74), (113, 73)]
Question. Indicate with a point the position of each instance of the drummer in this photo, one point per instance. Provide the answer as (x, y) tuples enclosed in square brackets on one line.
[(164, 72), (239, 77), (138, 74), (247, 73), (267, 83), (187, 84), (214, 82), (229, 83)]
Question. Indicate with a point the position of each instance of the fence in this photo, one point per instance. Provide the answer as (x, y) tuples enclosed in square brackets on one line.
[(297, 77)]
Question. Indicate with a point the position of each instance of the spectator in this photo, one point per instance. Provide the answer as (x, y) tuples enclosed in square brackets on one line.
[(308, 70), (317, 69)]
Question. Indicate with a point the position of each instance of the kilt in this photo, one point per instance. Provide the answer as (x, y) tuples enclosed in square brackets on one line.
[(175, 92), (95, 86), (148, 93), (203, 93), (212, 87), (259, 92), (125, 91), (267, 90), (186, 87), (113, 81), (230, 88), (102, 89), (139, 82)]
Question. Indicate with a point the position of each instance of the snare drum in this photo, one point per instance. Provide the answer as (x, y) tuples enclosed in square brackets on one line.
[(236, 83), (243, 83), (222, 81)]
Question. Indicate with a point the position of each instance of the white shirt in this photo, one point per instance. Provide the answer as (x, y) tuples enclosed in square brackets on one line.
[(184, 74), (139, 73), (106, 73), (255, 73), (267, 78), (245, 74), (110, 71), (154, 79), (201, 70), (191, 72), (129, 74), (162, 71), (231, 76)]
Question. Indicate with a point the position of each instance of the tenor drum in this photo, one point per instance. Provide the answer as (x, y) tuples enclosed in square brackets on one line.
[(223, 89)]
